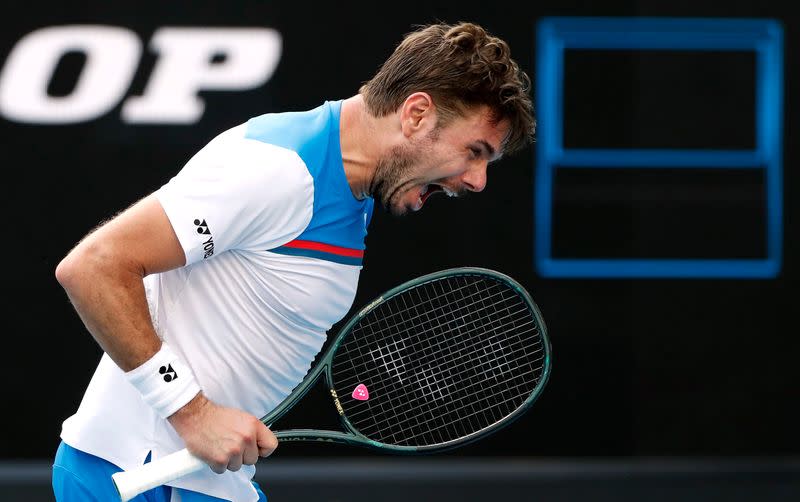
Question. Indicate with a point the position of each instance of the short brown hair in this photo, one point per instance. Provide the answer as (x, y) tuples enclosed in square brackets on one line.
[(460, 66)]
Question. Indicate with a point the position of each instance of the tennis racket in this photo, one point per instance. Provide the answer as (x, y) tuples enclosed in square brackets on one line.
[(435, 363)]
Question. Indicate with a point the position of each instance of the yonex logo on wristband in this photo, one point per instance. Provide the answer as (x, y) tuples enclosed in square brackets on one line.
[(168, 372), (149, 379)]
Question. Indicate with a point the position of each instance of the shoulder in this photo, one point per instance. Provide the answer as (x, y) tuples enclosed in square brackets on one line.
[(251, 163)]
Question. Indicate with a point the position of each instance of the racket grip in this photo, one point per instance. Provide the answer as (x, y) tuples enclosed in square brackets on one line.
[(156, 473)]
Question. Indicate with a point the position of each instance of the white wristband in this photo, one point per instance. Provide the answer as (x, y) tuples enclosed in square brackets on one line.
[(165, 383)]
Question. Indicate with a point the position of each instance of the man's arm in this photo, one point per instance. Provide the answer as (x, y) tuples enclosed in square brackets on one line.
[(103, 277)]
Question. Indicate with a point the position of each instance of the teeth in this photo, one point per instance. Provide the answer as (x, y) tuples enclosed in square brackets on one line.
[(425, 189)]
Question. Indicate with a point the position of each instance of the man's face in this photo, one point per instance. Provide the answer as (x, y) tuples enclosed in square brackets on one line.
[(450, 160)]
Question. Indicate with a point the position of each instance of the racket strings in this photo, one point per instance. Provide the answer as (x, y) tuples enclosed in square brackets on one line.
[(389, 317), (433, 388), (390, 329), (397, 344), (469, 412), (469, 384), (443, 360), (425, 336), (390, 356), (464, 362)]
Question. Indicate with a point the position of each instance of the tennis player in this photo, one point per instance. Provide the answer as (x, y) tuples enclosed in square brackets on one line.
[(212, 296)]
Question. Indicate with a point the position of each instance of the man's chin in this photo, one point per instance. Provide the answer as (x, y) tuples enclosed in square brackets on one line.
[(395, 208), (398, 210)]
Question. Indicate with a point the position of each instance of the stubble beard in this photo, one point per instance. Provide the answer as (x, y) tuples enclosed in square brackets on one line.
[(391, 179), (394, 173)]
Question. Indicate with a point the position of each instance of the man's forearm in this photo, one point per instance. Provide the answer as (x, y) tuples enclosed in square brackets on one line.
[(110, 300)]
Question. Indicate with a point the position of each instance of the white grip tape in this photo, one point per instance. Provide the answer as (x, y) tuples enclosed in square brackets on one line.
[(156, 473), (165, 383)]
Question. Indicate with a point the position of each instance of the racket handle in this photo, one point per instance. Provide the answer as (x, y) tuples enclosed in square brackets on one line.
[(163, 470)]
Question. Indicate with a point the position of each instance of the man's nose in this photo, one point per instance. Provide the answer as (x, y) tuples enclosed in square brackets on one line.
[(475, 177)]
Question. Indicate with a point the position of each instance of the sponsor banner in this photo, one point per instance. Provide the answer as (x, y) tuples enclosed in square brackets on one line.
[(189, 60)]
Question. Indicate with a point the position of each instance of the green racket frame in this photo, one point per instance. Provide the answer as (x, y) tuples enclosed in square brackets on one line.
[(353, 436)]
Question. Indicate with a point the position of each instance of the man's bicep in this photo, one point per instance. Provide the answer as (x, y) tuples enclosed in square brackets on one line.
[(143, 236)]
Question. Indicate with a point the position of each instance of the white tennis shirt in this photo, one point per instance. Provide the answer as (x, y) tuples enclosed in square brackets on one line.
[(274, 240)]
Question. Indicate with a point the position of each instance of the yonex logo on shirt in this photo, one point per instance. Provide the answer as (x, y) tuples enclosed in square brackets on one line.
[(208, 246), (168, 372), (202, 227)]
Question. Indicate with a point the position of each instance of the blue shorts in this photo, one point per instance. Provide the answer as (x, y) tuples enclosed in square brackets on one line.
[(80, 477)]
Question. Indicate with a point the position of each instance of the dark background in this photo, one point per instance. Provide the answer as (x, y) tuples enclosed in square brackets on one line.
[(642, 367)]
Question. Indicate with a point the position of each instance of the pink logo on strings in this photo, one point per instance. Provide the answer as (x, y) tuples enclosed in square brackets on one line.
[(361, 393)]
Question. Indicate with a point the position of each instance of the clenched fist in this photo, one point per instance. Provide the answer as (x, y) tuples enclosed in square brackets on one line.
[(224, 438)]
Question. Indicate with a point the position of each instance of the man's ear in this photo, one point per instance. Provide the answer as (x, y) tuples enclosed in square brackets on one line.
[(417, 114)]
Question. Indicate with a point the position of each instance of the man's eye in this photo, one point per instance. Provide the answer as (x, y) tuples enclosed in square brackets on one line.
[(475, 153)]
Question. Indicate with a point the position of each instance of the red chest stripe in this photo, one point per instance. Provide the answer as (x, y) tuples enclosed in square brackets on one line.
[(325, 248)]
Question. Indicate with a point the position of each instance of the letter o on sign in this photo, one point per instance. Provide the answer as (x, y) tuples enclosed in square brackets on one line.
[(112, 56)]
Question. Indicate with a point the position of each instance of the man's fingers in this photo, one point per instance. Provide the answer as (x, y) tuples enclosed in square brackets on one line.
[(217, 467), (215, 462), (235, 463), (227, 438), (267, 442), (250, 455)]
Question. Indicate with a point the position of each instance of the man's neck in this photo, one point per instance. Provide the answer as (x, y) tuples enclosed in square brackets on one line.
[(362, 140)]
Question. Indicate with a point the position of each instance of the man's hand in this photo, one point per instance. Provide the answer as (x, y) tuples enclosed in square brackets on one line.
[(224, 438)]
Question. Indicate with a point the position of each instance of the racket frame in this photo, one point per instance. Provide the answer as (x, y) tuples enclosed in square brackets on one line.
[(353, 436)]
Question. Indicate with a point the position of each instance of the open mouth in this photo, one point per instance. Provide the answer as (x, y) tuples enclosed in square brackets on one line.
[(427, 190)]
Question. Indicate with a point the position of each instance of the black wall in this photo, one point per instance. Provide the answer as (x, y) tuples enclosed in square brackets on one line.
[(644, 366)]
